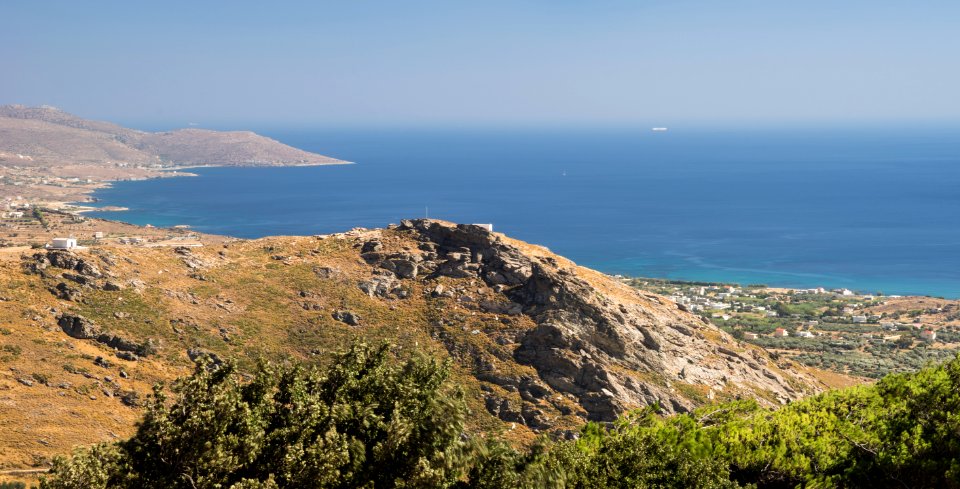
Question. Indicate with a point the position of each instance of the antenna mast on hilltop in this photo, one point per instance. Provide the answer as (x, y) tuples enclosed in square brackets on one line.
[(426, 212)]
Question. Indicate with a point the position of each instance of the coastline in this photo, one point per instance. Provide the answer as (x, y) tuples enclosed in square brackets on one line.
[(157, 173), (285, 165)]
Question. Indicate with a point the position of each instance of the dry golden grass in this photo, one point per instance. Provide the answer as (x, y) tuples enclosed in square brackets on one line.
[(251, 290), (248, 300)]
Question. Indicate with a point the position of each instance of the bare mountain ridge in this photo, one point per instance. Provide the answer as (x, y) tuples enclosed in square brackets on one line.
[(54, 137)]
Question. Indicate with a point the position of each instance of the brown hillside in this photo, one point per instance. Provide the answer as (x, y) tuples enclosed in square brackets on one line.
[(539, 344), (48, 156), (233, 148)]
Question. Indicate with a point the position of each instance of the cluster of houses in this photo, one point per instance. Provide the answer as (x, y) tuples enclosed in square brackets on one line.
[(821, 290), (781, 333), (699, 300), (27, 176), (927, 335), (14, 208)]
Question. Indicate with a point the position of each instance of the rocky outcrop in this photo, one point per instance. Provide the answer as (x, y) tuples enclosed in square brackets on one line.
[(82, 328), (64, 260), (610, 347), (76, 272), (78, 327)]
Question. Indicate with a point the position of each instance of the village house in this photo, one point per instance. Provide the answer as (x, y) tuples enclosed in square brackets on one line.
[(804, 334), (63, 244), (780, 333), (859, 319), (928, 335), (750, 336)]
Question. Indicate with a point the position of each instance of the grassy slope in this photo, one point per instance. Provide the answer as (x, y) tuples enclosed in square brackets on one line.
[(249, 300)]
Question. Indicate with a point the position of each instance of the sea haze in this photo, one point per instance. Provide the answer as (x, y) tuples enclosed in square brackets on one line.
[(867, 209)]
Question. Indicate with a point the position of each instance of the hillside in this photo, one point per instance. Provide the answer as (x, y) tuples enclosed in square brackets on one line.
[(42, 149), (539, 344)]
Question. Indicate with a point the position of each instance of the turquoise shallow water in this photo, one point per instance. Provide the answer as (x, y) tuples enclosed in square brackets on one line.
[(868, 209)]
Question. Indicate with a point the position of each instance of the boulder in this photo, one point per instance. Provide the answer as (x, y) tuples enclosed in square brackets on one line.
[(347, 317), (112, 286), (78, 327), (405, 268), (127, 355), (326, 272), (66, 292), (371, 246), (380, 286)]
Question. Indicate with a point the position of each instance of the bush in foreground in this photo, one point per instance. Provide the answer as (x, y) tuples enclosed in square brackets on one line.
[(370, 422)]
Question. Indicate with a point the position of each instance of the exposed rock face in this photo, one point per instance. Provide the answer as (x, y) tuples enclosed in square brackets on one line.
[(78, 327), (611, 347), (67, 260), (382, 285), (84, 329), (81, 272)]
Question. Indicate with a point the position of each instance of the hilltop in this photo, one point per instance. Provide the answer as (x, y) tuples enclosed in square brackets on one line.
[(47, 154), (539, 344)]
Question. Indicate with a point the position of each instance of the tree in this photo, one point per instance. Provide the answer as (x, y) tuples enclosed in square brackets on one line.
[(364, 422)]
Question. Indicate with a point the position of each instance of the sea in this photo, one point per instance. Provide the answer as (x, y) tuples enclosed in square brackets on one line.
[(873, 209)]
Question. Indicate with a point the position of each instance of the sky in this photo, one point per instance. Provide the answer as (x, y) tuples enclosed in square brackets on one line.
[(450, 62)]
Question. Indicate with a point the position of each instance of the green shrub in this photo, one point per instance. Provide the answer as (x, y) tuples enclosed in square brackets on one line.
[(369, 422)]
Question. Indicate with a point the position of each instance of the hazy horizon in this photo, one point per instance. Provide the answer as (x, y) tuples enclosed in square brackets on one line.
[(423, 63)]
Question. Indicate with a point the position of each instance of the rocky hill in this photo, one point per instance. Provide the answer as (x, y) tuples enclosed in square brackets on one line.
[(49, 157), (538, 343), (51, 135)]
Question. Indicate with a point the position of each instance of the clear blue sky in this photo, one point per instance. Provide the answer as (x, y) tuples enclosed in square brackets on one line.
[(485, 62)]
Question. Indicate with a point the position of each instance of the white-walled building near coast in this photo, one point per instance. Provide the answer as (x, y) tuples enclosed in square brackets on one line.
[(63, 244)]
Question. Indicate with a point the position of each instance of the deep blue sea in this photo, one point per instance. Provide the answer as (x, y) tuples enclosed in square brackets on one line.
[(875, 209)]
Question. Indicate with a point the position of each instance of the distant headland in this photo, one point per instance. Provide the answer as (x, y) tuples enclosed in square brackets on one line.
[(48, 156)]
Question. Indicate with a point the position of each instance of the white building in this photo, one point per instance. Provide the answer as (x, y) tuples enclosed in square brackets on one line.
[(928, 335), (859, 319), (63, 244), (805, 334), (488, 227)]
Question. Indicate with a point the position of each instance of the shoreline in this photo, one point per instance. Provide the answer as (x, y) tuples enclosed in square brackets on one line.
[(166, 172), (838, 291)]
